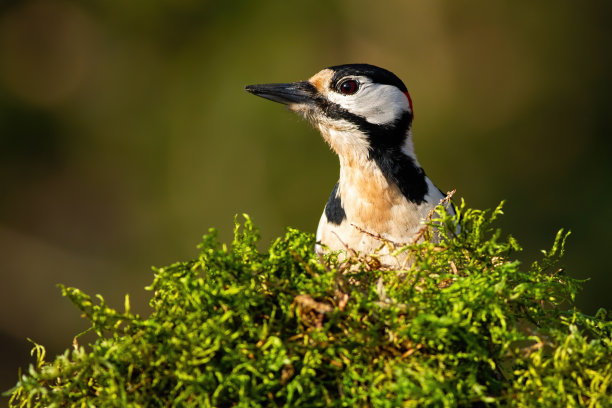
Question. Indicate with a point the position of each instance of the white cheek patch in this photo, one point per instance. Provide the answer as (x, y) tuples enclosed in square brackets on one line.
[(378, 104)]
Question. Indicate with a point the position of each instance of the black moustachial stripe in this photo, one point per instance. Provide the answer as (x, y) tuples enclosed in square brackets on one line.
[(333, 209)]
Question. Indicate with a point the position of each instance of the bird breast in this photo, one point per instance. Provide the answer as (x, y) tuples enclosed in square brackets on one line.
[(372, 204)]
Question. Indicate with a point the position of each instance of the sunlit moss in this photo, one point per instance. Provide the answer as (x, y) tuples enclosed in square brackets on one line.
[(464, 325)]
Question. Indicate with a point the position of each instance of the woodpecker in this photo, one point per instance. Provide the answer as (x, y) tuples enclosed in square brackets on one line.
[(365, 115)]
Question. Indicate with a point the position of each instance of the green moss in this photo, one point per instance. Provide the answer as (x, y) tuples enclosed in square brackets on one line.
[(466, 325)]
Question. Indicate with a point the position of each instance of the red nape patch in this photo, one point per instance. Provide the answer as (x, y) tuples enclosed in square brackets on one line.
[(409, 103)]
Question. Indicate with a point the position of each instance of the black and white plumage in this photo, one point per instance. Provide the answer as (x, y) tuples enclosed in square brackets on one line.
[(365, 114)]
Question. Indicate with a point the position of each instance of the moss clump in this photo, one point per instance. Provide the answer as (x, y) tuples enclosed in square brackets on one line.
[(465, 325)]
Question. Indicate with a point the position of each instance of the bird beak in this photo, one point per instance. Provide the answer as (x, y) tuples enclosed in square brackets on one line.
[(287, 94)]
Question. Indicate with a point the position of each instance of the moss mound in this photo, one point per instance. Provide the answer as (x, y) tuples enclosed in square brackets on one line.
[(465, 325)]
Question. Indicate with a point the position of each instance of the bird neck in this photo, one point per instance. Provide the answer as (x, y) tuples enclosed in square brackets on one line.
[(382, 169), (361, 175)]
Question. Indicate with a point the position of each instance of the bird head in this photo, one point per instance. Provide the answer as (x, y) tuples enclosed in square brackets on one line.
[(357, 108)]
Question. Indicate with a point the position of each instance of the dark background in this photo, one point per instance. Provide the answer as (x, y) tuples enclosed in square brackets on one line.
[(125, 133)]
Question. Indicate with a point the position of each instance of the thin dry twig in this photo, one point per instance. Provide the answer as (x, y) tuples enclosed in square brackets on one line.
[(391, 245), (430, 215), (350, 251), (323, 262), (375, 236), (369, 260)]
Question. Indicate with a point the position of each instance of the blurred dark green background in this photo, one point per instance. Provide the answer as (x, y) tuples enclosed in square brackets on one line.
[(125, 133)]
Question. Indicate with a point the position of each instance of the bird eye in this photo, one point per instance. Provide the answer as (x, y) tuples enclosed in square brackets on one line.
[(348, 87)]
